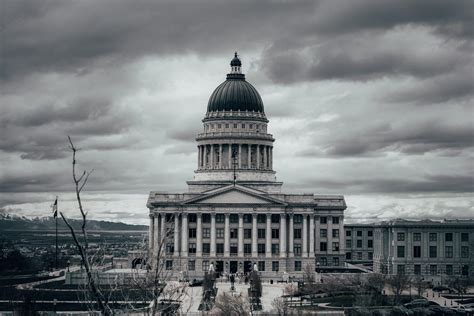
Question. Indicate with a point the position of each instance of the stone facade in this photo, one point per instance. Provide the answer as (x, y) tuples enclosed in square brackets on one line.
[(359, 242), (428, 248), (234, 215)]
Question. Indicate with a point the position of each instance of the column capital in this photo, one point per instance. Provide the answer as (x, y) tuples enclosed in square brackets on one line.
[(241, 215), (198, 214)]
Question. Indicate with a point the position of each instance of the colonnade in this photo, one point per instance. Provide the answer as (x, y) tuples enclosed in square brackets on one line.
[(248, 156), (165, 231)]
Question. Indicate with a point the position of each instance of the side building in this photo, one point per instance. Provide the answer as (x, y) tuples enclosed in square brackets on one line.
[(431, 249), (234, 216), (359, 239)]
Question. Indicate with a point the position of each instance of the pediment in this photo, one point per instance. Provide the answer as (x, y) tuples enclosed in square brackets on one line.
[(233, 196)]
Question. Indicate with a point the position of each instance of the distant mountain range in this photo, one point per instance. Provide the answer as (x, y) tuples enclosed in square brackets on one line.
[(13, 222)]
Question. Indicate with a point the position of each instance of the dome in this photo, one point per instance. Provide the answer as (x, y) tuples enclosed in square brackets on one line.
[(235, 94)]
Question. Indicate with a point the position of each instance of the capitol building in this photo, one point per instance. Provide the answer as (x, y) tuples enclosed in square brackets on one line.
[(234, 216)]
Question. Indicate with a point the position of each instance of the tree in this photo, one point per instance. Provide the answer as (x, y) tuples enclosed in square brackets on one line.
[(420, 285), (398, 283), (232, 305), (375, 283), (280, 307)]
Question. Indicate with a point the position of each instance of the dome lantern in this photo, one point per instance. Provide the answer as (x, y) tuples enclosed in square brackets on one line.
[(235, 65)]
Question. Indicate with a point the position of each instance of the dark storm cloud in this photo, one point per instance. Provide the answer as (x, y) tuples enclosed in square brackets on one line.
[(429, 136), (429, 184)]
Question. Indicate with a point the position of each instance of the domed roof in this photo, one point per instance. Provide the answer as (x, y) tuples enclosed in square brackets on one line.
[(235, 94)]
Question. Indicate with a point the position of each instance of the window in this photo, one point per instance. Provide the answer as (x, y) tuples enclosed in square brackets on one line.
[(297, 265), (247, 249), (433, 269), (335, 220), (235, 125), (359, 256), (370, 256), (251, 126), (275, 266), (206, 248), (275, 249), (416, 251), (220, 248), (464, 269), (464, 251), (323, 220), (169, 264), (348, 243), (297, 233), (448, 237), (464, 237), (243, 125), (323, 233), (359, 243), (275, 233), (206, 232), (261, 233), (448, 251), (449, 269), (433, 252), (234, 218), (324, 261), (247, 218), (206, 218), (192, 218), (275, 218), (433, 237), (417, 269), (348, 256), (220, 233), (234, 233), (219, 125), (401, 269), (261, 218), (335, 261), (298, 218), (323, 246), (370, 233), (205, 265), (261, 266), (191, 265), (416, 236), (297, 249), (227, 126), (247, 233), (192, 248), (220, 218), (370, 243), (192, 233), (261, 248), (233, 248), (401, 251), (335, 246), (348, 233), (359, 233), (335, 233), (169, 248), (400, 236)]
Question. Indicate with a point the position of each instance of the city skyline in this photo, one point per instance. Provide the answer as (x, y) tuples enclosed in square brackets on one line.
[(377, 109)]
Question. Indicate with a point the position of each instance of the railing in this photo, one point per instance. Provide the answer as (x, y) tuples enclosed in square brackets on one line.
[(235, 134)]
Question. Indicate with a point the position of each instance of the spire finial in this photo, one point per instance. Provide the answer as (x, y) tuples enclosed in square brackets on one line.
[(235, 55)]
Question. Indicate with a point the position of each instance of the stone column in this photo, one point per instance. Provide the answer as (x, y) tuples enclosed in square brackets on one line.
[(176, 234), (291, 244), (184, 234), (156, 236), (269, 236), (239, 156), (150, 234), (271, 158), (227, 236), (304, 237), (199, 235), (342, 244), (265, 162), (282, 235), (254, 235), (249, 156), (241, 235), (258, 156), (163, 232), (212, 156), (220, 156), (311, 236), (213, 235), (229, 154)]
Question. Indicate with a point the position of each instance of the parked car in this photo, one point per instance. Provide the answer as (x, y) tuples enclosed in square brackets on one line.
[(442, 288), (195, 282), (420, 303)]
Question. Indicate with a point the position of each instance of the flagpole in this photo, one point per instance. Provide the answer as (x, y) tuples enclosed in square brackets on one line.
[(56, 218)]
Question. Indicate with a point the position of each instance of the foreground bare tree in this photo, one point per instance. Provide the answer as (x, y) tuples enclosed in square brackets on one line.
[(232, 305), (399, 283)]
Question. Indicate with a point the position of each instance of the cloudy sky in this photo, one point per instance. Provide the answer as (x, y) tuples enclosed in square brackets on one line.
[(371, 99)]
